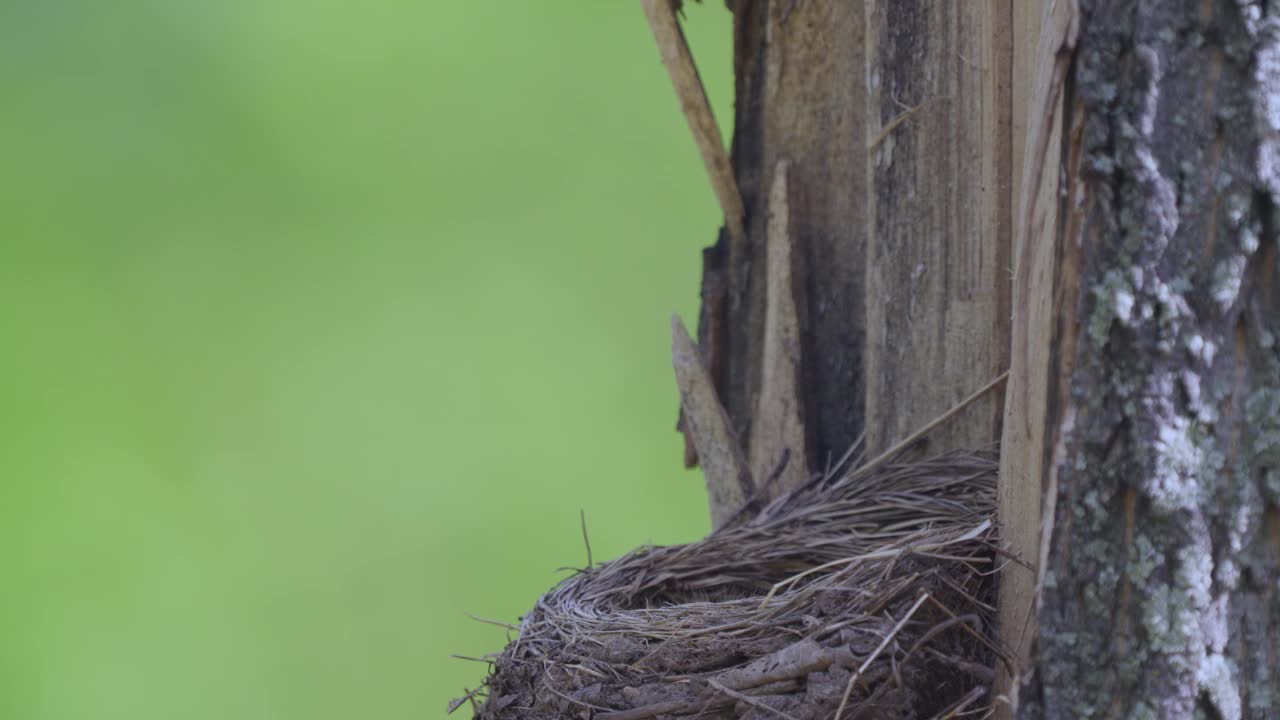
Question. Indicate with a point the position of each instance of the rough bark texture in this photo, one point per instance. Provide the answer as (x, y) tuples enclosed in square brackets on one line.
[(1159, 594), (895, 121)]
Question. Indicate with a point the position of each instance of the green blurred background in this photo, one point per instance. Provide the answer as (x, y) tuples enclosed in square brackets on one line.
[(321, 322)]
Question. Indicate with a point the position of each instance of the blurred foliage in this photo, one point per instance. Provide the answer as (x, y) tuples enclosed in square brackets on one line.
[(321, 321)]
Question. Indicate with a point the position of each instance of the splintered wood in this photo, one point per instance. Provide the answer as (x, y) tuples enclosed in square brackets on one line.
[(724, 467), (697, 110), (778, 456), (1026, 442), (887, 215)]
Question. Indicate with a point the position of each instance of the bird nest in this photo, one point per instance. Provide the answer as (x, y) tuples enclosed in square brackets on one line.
[(864, 595)]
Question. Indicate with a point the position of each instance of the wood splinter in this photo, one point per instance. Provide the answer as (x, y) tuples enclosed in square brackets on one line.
[(724, 467), (697, 111), (777, 429)]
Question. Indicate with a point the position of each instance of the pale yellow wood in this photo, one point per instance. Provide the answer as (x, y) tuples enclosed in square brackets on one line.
[(778, 457), (1026, 36), (1039, 276), (697, 110)]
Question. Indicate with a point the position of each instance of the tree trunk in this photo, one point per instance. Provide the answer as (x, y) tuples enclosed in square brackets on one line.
[(894, 118), (1106, 175), (1158, 578)]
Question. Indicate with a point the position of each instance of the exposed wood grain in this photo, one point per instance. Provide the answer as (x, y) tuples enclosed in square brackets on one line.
[(923, 432), (724, 466), (997, 194), (801, 98), (778, 456), (1026, 39), (1024, 444), (901, 204), (697, 109), (939, 215)]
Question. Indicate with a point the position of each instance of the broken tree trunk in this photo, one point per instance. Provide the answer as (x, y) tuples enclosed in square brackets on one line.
[(1104, 172), (895, 120)]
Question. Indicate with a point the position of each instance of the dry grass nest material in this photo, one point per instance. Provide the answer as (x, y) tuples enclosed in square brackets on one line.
[(863, 595)]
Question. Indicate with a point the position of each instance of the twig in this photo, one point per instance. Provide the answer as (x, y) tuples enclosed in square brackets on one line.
[(582, 518), (697, 111), (983, 673), (487, 621), (574, 700), (648, 711), (750, 700), (795, 660), (1000, 654), (964, 702), (457, 703), (894, 123), (876, 555), (833, 470), (844, 699), (929, 427), (936, 630)]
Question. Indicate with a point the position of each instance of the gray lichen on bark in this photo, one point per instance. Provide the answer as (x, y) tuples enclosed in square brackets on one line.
[(1161, 598)]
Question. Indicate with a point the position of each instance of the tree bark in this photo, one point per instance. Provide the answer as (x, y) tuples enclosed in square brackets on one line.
[(1158, 578), (1105, 173)]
